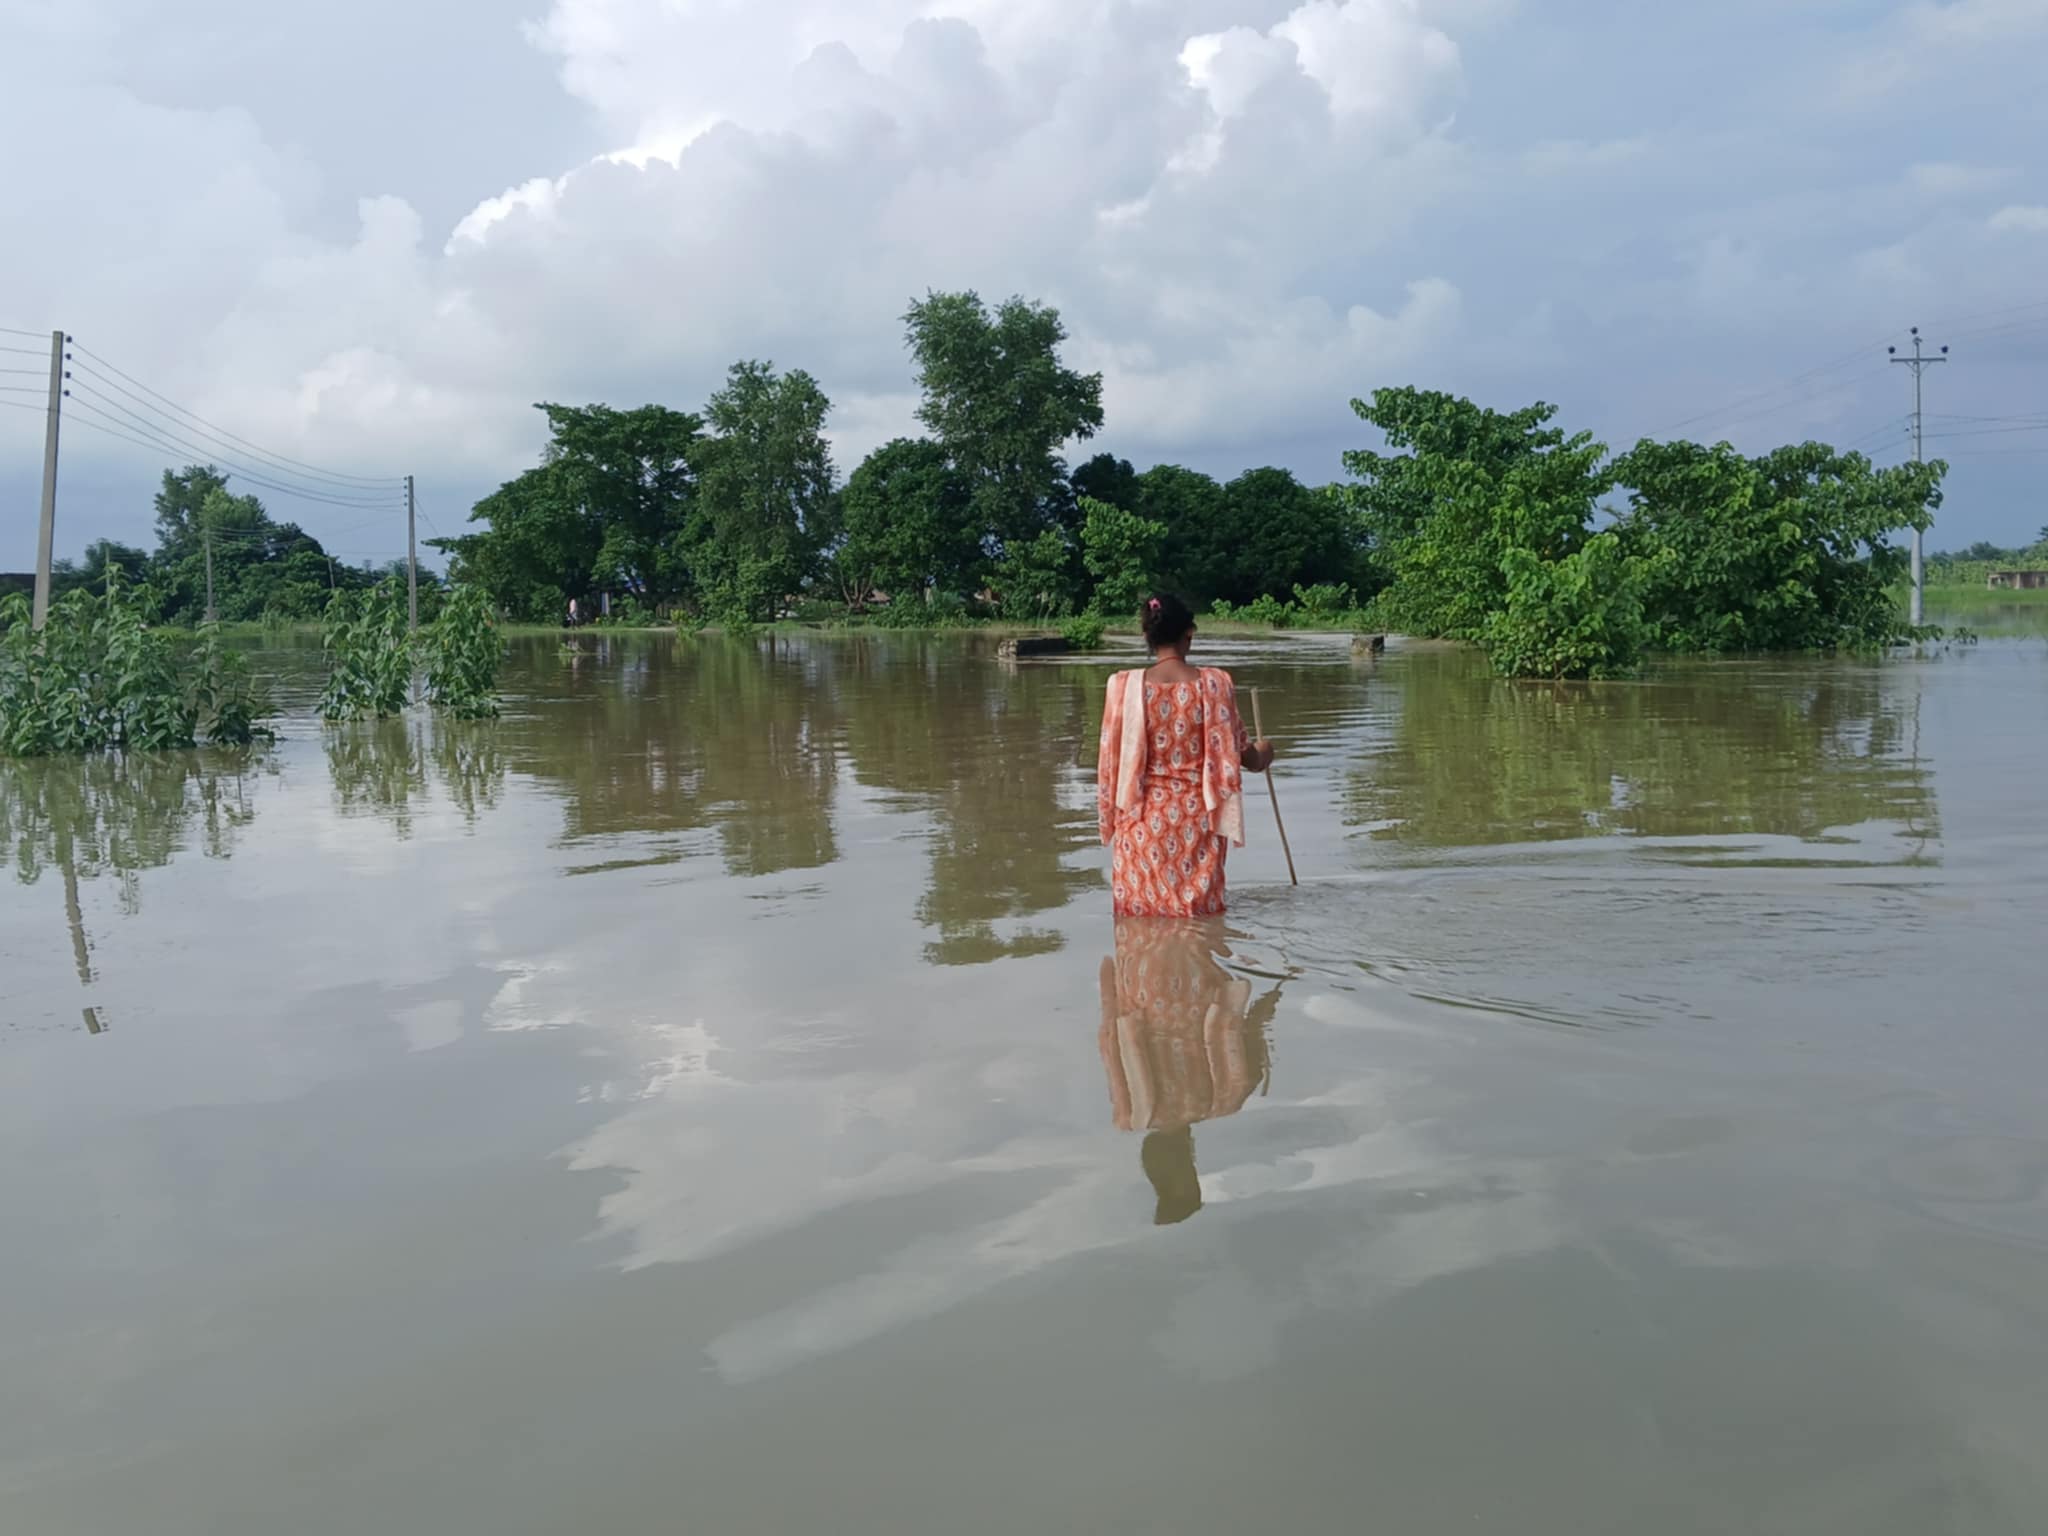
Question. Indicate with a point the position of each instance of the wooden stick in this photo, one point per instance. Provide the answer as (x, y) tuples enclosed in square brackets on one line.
[(1259, 734)]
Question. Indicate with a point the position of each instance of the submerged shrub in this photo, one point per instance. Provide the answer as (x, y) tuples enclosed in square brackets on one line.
[(463, 651), (369, 654), (98, 677), (1580, 615), (1083, 633)]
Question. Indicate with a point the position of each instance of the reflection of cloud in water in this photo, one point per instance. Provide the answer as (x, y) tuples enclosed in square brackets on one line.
[(721, 1151)]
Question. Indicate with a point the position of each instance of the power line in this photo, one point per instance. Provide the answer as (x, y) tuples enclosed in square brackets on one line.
[(91, 416), (1985, 432), (255, 476), (1991, 314), (191, 452), (341, 484), (1792, 383), (256, 448), (15, 330)]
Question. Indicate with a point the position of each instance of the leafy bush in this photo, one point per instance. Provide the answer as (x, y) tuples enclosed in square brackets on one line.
[(1325, 602), (369, 654), (1787, 552), (1263, 609), (1120, 550), (97, 677), (1084, 632), (1034, 577), (463, 650), (1580, 615), (224, 696)]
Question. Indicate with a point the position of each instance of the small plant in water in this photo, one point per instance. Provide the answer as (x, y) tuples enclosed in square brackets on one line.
[(97, 677), (463, 650), (372, 656), (1083, 633), (369, 655)]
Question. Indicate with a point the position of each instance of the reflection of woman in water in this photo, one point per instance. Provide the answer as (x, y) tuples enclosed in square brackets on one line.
[(1170, 774), (1181, 1042)]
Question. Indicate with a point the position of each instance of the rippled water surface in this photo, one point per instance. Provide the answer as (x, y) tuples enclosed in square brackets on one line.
[(715, 1099)]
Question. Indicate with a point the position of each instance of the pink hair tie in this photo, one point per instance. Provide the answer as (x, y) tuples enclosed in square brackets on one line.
[(1153, 605)]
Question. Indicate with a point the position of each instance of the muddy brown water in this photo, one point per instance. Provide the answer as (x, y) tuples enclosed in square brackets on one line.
[(715, 1099)]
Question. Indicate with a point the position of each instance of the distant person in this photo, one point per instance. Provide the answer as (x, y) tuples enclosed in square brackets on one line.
[(575, 614), (1170, 775)]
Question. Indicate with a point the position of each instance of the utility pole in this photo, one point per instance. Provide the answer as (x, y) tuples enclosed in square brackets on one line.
[(1919, 362), (211, 616), (46, 539), (412, 555)]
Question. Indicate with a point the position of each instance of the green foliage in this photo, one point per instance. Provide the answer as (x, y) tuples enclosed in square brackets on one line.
[(1324, 603), (1790, 551), (935, 610), (607, 509), (1121, 552), (1474, 484), (998, 401), (765, 496), (1083, 632), (1945, 570), (1579, 615), (908, 525), (1486, 527), (369, 655), (1108, 478), (463, 649), (1034, 578), (98, 677), (224, 695)]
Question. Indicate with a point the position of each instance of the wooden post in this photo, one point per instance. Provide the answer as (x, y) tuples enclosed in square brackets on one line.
[(1259, 733)]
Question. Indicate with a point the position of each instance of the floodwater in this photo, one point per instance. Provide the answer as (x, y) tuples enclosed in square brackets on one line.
[(715, 1099)]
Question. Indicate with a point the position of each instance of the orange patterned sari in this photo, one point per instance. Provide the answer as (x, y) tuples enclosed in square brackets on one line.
[(1170, 792)]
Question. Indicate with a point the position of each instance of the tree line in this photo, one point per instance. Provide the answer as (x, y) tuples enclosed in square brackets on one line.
[(1496, 527), (736, 513), (263, 570), (1469, 523)]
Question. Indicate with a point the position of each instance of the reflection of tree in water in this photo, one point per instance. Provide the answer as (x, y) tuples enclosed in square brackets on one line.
[(682, 736), (746, 740), (386, 768), (986, 748), (120, 816), (1697, 751), (1182, 1042)]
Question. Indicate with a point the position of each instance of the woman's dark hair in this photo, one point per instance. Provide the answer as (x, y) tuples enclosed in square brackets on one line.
[(1166, 619)]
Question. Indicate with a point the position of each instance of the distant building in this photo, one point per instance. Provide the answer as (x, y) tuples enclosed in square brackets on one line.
[(2017, 581)]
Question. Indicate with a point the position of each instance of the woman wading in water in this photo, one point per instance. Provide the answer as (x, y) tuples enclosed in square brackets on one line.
[(1170, 778)]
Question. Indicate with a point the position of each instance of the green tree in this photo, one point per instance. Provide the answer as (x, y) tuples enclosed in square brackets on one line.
[(1035, 577), (765, 493), (1437, 519), (1121, 552), (1275, 534), (908, 524), (998, 400), (178, 503), (1190, 505), (605, 510), (1791, 551), (1108, 478), (1578, 615)]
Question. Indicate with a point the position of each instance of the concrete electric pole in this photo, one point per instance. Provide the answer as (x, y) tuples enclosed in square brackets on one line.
[(1919, 362)]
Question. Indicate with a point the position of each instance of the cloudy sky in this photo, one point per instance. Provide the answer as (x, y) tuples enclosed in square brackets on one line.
[(367, 237)]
